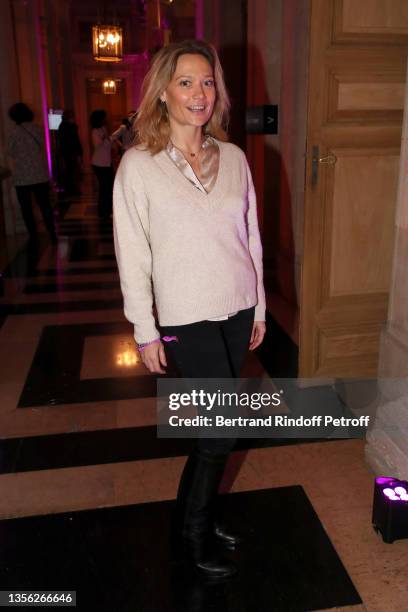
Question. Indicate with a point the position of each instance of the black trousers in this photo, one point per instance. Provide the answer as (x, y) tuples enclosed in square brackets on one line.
[(211, 349), (41, 192), (105, 177)]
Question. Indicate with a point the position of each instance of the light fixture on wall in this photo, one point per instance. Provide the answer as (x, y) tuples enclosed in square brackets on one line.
[(107, 41), (109, 86)]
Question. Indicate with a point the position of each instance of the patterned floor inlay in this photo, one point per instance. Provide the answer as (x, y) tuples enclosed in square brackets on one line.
[(106, 446), (120, 558)]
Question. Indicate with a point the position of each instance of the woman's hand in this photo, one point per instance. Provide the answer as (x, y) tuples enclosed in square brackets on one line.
[(257, 336), (153, 357)]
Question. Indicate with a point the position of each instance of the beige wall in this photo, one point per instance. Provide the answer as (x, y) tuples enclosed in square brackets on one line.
[(387, 449), (393, 358)]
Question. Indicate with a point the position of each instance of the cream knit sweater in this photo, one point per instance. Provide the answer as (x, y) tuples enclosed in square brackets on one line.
[(198, 254)]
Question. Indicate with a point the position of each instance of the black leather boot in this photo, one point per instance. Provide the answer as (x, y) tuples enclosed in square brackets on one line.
[(220, 531), (196, 498), (226, 537)]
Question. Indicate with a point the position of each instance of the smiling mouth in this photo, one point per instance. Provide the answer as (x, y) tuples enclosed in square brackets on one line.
[(197, 108)]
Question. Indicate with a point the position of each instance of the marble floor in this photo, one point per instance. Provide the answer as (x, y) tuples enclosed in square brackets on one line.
[(87, 489)]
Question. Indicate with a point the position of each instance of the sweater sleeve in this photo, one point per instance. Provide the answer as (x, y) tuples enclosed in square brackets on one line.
[(132, 248), (255, 245)]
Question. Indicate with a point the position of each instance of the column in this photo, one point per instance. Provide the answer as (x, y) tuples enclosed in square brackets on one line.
[(10, 93), (387, 442)]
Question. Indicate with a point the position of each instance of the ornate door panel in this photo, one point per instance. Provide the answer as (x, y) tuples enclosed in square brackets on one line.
[(357, 71)]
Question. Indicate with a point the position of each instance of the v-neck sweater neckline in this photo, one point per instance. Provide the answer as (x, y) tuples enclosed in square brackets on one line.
[(187, 188), (208, 164)]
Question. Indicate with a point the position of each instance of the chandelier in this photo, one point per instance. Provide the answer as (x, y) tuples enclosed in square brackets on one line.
[(107, 43), (109, 86)]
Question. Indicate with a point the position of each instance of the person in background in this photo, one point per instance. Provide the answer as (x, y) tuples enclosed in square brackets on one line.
[(124, 136), (102, 162), (26, 148), (70, 149)]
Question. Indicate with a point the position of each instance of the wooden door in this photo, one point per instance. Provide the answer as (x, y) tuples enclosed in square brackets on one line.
[(357, 71)]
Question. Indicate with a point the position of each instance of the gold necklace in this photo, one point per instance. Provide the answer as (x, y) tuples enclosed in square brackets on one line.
[(188, 152)]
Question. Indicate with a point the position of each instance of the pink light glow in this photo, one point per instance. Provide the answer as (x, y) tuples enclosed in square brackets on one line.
[(383, 479), (43, 86), (400, 490)]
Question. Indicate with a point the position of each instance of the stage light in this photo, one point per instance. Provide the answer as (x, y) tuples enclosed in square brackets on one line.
[(390, 508)]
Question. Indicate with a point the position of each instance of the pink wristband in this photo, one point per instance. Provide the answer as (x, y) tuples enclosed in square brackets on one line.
[(143, 345)]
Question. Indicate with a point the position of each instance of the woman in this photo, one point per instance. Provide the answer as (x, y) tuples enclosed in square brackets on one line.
[(102, 162), (185, 219), (30, 170)]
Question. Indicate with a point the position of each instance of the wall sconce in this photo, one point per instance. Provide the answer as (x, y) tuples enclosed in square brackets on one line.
[(107, 43), (109, 86)]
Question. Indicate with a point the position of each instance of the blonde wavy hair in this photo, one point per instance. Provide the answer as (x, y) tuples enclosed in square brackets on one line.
[(152, 123)]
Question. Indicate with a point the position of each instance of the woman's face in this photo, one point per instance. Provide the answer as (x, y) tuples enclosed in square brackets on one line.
[(190, 95)]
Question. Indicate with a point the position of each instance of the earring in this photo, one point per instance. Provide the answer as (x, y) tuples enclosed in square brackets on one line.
[(163, 106)]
